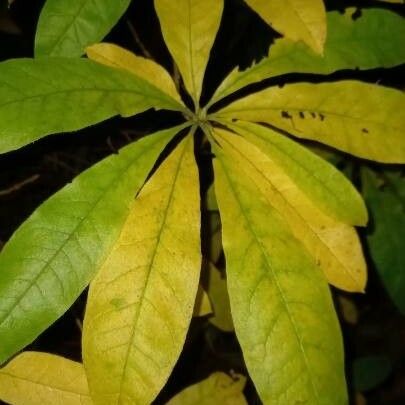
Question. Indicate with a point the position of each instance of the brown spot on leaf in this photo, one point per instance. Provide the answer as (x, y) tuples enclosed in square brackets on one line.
[(302, 115), (364, 130), (285, 114)]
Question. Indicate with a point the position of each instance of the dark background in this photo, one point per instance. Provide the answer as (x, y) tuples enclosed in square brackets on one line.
[(32, 174)]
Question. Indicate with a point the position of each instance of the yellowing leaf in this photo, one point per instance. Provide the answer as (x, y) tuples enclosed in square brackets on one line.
[(34, 378), (218, 292), (359, 118), (281, 306), (322, 183), (334, 245), (299, 20), (141, 303), (189, 28), (218, 389), (115, 56), (202, 306)]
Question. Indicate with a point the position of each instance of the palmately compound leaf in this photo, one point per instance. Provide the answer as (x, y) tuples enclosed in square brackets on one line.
[(66, 27), (334, 245), (374, 40), (34, 378), (141, 303), (296, 19), (49, 95), (385, 196), (322, 183), (52, 257), (117, 57), (189, 28), (358, 118), (281, 306), (218, 389)]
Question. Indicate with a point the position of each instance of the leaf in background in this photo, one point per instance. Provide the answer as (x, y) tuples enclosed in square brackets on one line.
[(358, 118), (202, 305), (374, 40), (296, 19), (66, 27), (52, 257), (218, 292), (117, 57), (189, 29), (141, 302), (295, 354), (370, 371), (34, 378), (385, 196), (49, 95), (322, 183), (335, 246), (218, 389)]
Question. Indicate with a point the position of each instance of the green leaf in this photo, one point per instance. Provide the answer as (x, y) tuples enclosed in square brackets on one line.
[(385, 196), (334, 245), (141, 302), (358, 118), (374, 40), (34, 378), (218, 388), (281, 306), (296, 19), (319, 180), (117, 57), (48, 95), (189, 28), (51, 258), (218, 292), (66, 27), (370, 371)]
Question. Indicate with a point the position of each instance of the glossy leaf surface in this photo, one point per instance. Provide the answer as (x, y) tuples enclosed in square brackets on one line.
[(189, 28), (358, 118), (334, 245), (385, 195), (117, 57), (141, 303), (51, 258), (374, 40), (218, 388), (66, 27), (34, 378), (295, 354), (296, 19), (49, 95)]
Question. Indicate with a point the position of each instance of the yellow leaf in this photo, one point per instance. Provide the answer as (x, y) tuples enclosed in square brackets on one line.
[(218, 292), (141, 302), (359, 118), (34, 378), (202, 306), (334, 245), (299, 20), (120, 58), (281, 306), (189, 28), (218, 389)]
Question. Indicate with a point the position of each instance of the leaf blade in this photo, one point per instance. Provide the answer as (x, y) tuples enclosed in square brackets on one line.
[(117, 57), (34, 378), (295, 19), (335, 246), (196, 22), (63, 33), (374, 40), (310, 366), (141, 302), (355, 117), (53, 255), (37, 101)]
